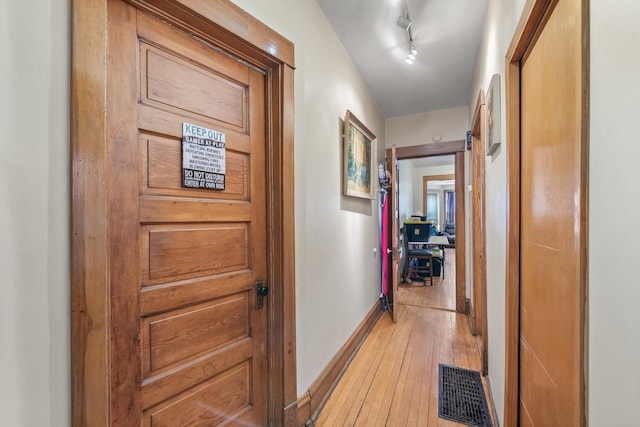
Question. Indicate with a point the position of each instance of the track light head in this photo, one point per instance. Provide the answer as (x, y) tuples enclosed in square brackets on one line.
[(404, 23)]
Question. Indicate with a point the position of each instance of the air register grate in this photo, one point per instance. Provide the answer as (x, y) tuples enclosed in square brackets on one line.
[(462, 397)]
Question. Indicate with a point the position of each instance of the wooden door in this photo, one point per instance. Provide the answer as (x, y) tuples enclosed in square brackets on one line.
[(478, 240), (395, 234), (552, 240), (188, 343)]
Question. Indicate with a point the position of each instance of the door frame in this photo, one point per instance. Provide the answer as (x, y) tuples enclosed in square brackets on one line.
[(456, 148), (533, 13), (425, 187), (225, 25), (394, 192), (478, 319)]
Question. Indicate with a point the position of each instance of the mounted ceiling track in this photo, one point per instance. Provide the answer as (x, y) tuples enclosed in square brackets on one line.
[(404, 22)]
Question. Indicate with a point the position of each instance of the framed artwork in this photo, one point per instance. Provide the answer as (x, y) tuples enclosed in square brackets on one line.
[(493, 114), (359, 148)]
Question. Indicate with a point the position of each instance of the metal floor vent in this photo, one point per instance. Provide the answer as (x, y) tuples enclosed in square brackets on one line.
[(461, 397)]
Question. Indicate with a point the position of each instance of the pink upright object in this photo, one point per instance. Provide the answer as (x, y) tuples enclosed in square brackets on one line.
[(385, 245)]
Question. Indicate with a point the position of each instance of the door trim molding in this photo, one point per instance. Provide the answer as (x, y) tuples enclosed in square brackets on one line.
[(234, 29), (531, 16), (426, 150), (461, 236), (457, 148), (229, 27), (479, 233), (533, 13)]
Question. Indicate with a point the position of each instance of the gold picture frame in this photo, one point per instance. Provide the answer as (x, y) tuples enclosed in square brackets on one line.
[(359, 150)]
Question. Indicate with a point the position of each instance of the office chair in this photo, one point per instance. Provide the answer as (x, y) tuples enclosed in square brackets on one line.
[(418, 261)]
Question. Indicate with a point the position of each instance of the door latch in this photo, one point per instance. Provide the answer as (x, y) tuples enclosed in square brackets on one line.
[(261, 292)]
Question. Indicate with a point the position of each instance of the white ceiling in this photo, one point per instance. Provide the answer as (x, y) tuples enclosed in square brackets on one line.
[(447, 36)]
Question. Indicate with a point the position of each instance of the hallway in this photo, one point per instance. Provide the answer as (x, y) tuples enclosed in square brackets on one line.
[(393, 379)]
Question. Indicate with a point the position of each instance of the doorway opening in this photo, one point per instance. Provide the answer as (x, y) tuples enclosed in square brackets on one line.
[(456, 150), (427, 193)]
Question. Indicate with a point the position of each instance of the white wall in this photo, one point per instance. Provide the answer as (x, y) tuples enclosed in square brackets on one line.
[(614, 207), (34, 232), (337, 272), (502, 18), (424, 128), (405, 194)]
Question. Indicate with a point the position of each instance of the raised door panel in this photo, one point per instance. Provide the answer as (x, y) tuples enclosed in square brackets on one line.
[(181, 251), (161, 168)]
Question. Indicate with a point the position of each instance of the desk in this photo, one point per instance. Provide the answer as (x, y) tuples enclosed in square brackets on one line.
[(440, 241), (434, 241)]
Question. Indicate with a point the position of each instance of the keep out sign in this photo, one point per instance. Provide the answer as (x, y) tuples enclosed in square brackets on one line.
[(203, 157)]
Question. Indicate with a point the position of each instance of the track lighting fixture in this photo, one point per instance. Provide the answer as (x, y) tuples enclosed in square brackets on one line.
[(413, 52), (404, 22)]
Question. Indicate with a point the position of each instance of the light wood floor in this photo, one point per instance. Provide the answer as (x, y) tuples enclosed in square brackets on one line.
[(441, 295), (393, 379)]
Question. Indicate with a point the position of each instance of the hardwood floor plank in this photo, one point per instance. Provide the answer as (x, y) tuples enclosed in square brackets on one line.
[(447, 349), (461, 357), (407, 395), (438, 351), (473, 349), (422, 371), (400, 402), (376, 406)]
